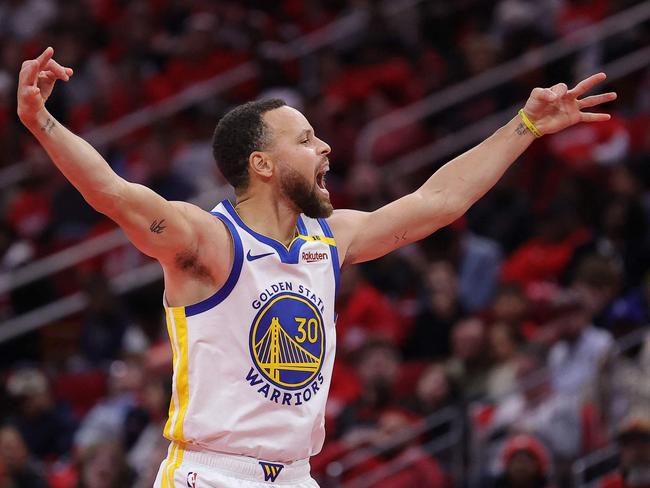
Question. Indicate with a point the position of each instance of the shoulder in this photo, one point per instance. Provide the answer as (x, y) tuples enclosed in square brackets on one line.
[(341, 219), (203, 222), (345, 224)]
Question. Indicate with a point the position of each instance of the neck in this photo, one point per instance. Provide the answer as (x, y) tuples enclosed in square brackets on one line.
[(268, 214)]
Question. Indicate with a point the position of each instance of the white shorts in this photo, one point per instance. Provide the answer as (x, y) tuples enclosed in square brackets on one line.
[(186, 468)]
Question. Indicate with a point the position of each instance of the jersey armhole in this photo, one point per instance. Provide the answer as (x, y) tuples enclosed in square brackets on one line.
[(233, 276), (335, 254)]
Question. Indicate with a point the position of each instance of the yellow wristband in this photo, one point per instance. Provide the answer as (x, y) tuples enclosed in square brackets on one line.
[(529, 124)]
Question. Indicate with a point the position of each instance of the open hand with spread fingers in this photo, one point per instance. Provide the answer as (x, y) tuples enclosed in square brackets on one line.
[(552, 109), (36, 82)]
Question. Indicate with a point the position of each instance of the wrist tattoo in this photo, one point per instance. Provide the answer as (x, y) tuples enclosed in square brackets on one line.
[(157, 227), (521, 129), (49, 125)]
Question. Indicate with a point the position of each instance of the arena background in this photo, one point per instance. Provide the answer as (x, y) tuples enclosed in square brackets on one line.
[(516, 337)]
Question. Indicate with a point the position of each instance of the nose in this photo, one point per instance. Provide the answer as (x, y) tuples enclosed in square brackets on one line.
[(324, 148)]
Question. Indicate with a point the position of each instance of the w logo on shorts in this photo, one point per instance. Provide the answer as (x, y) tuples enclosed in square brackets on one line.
[(271, 471)]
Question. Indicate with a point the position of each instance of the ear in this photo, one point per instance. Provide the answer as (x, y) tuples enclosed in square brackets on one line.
[(260, 164)]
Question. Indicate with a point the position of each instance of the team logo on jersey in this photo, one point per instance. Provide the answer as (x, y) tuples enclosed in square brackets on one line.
[(271, 470), (287, 341)]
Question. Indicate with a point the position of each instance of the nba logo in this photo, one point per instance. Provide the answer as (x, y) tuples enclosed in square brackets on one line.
[(191, 479)]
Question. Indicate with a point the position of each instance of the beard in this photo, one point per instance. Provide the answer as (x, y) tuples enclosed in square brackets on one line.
[(306, 198)]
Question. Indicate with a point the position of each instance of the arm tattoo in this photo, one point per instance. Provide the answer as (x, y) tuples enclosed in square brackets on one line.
[(520, 130), (49, 125), (157, 227), (399, 238)]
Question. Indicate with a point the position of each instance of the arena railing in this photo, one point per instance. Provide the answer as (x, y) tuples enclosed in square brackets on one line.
[(448, 97), (348, 25), (602, 461), (451, 418)]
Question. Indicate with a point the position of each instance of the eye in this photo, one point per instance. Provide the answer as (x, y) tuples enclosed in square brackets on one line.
[(304, 142)]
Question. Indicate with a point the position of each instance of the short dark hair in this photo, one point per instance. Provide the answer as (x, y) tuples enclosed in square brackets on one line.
[(239, 133)]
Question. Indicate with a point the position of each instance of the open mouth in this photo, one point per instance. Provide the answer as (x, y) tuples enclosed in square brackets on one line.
[(321, 180)]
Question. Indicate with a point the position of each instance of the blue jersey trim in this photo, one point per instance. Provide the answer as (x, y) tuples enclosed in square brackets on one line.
[(230, 283), (335, 257), (287, 256), (302, 229)]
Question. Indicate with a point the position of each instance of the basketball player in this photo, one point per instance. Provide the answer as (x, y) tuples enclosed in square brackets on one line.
[(250, 286)]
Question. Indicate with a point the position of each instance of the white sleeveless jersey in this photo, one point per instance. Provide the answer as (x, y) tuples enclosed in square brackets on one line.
[(253, 363)]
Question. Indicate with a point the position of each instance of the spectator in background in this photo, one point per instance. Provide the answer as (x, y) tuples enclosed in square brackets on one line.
[(620, 244), (475, 260), (634, 444), (106, 421), (430, 336), (574, 360), (583, 148), (622, 384), (399, 460), (468, 365), (103, 465), (21, 470), (377, 368), (598, 279), (504, 344), (103, 324), (525, 464), (155, 399), (546, 256), (164, 178), (364, 313), (46, 425), (146, 473), (512, 308), (479, 270), (517, 16), (23, 19), (504, 215), (633, 308), (433, 391), (539, 410)]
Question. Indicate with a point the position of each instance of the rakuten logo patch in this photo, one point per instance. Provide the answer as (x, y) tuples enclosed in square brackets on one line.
[(312, 257)]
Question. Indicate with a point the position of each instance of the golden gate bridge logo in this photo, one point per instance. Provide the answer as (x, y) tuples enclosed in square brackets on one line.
[(277, 351), (287, 341)]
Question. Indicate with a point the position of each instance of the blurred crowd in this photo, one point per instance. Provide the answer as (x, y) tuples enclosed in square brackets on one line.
[(496, 352)]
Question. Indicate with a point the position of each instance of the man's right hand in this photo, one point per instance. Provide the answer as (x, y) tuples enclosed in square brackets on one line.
[(194, 247), (36, 82)]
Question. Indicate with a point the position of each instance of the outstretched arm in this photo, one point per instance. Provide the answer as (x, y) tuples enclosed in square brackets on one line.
[(456, 186), (156, 226)]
